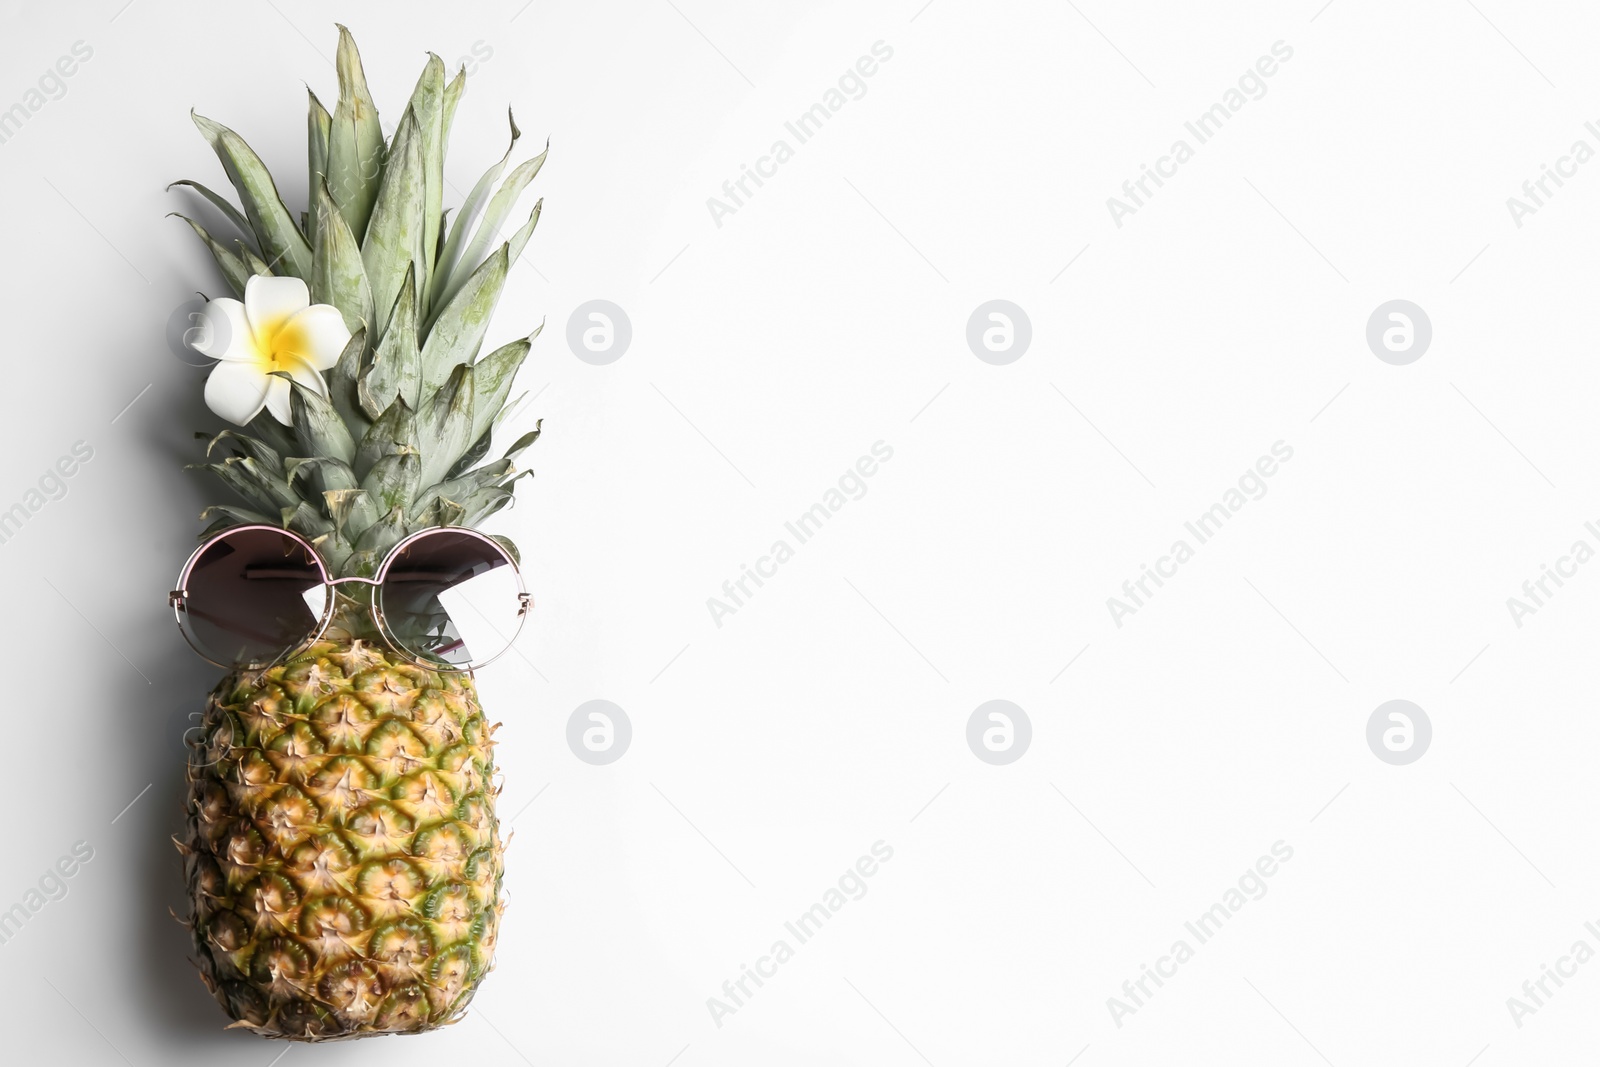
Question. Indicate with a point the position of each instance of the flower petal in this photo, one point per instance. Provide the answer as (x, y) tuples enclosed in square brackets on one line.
[(236, 391), (223, 332), (271, 302), (317, 335), (278, 399), (305, 374)]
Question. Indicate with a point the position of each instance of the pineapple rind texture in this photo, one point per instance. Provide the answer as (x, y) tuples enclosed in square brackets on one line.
[(342, 848)]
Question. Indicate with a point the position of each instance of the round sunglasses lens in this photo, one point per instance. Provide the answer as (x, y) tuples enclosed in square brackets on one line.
[(451, 599), (251, 596)]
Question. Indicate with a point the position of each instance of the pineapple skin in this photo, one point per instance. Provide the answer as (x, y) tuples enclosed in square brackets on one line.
[(342, 855)]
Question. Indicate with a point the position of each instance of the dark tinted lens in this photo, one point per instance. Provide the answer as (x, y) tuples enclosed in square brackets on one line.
[(252, 595), (451, 599)]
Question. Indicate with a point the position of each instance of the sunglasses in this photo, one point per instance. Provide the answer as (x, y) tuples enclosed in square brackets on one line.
[(447, 599)]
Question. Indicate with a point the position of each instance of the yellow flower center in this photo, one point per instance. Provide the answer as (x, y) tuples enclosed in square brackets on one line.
[(280, 345)]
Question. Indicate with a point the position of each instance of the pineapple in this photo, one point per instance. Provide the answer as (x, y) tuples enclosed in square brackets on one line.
[(342, 853)]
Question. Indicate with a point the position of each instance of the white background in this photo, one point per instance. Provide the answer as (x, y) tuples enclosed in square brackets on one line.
[(768, 354)]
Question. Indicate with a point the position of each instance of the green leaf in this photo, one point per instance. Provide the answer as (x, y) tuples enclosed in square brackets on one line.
[(479, 449), (342, 384), (318, 425), (332, 473), (281, 242), (306, 520), (232, 516), (427, 104), (446, 425), (507, 408), (334, 550), (491, 380), (393, 480), (355, 141), (268, 429), (233, 214), (361, 563), (244, 445), (352, 512), (393, 243), (318, 126), (438, 251), (449, 263), (396, 367), (510, 546), (338, 273), (523, 443), (384, 534), (252, 261), (483, 503), (458, 333), (441, 512), (258, 487), (488, 229), (394, 431), (452, 97), (234, 270), (519, 240), (215, 527), (458, 488)]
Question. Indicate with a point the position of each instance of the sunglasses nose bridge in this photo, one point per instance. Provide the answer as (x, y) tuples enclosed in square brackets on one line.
[(358, 581)]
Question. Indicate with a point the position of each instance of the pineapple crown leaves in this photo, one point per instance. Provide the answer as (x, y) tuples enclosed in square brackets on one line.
[(397, 442)]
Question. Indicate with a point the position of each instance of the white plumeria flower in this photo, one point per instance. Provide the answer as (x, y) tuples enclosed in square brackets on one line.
[(276, 328)]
